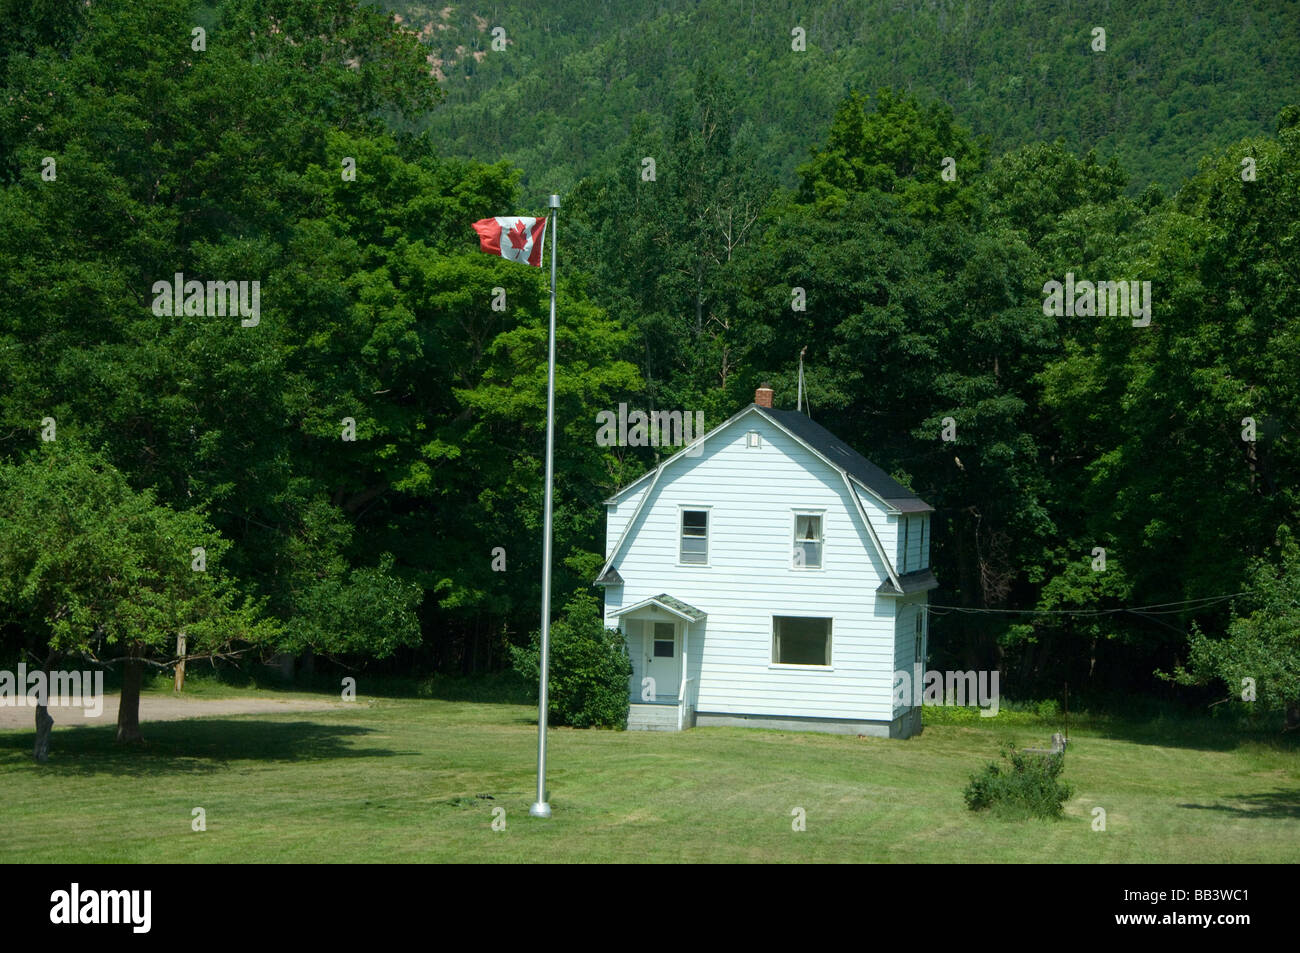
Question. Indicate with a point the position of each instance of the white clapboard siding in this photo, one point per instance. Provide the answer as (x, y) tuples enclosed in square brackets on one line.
[(918, 557), (751, 494), (617, 514)]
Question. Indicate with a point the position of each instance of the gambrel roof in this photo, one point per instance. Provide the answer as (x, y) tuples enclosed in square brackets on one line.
[(854, 468), (824, 444), (814, 435)]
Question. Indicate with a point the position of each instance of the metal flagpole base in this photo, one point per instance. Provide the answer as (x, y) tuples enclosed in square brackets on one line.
[(540, 809)]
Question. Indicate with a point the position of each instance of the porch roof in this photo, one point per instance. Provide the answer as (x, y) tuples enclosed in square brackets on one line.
[(919, 580), (668, 604)]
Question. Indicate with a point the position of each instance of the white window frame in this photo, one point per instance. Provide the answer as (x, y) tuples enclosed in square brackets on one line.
[(652, 637), (794, 666), (794, 530), (753, 440), (682, 509)]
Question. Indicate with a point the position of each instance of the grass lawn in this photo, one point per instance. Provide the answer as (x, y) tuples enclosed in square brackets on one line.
[(408, 779)]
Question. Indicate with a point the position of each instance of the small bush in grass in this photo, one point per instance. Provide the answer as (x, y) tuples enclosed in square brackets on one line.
[(589, 668), (1026, 786)]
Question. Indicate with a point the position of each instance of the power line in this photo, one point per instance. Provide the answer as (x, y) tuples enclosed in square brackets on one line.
[(1201, 603)]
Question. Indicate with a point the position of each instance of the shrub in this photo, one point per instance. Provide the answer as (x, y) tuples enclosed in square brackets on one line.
[(1027, 786), (589, 668)]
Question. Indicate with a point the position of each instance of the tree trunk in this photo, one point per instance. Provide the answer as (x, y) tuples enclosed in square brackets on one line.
[(128, 710), (41, 750), (44, 723), (180, 661)]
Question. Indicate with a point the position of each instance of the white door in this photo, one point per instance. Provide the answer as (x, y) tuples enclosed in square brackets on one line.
[(663, 661)]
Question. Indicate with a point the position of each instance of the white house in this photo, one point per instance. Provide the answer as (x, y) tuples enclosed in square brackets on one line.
[(769, 575)]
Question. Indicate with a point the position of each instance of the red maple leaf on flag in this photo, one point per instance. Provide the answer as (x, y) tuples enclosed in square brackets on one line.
[(518, 235)]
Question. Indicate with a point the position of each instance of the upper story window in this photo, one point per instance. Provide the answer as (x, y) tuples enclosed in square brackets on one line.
[(753, 439), (907, 526), (808, 541), (695, 537), (925, 553)]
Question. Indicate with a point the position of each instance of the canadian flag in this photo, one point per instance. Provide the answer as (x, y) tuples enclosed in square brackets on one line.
[(518, 239)]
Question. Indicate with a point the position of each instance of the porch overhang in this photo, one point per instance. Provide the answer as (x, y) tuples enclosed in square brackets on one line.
[(670, 605), (921, 580)]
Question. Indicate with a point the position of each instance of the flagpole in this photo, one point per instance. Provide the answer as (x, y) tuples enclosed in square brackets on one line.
[(541, 808)]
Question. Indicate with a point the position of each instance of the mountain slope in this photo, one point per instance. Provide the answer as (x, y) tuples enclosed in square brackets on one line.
[(1173, 83)]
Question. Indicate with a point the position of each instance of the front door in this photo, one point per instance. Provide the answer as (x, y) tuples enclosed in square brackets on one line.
[(663, 661)]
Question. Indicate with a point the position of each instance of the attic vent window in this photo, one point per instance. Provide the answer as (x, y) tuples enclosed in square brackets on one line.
[(753, 439)]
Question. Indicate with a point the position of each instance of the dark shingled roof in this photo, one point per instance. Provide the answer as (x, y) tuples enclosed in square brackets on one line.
[(852, 462), (921, 580), (685, 609)]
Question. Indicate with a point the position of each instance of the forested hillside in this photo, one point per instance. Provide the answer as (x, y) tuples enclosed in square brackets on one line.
[(1174, 81)]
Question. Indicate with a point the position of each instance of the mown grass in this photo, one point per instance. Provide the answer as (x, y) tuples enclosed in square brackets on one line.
[(417, 779)]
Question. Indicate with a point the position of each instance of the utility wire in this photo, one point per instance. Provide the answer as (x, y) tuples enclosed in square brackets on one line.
[(1201, 603)]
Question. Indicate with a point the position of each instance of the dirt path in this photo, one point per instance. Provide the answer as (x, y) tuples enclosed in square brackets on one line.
[(162, 708)]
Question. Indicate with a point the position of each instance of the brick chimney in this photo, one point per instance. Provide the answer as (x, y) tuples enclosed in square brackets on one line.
[(763, 396)]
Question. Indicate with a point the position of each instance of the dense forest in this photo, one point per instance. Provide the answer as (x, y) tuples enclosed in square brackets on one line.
[(1170, 83), (359, 470)]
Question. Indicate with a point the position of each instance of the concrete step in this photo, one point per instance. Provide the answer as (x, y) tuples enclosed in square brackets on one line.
[(652, 718)]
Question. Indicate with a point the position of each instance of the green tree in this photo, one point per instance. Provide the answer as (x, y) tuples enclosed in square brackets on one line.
[(588, 668), (1259, 657), (92, 568)]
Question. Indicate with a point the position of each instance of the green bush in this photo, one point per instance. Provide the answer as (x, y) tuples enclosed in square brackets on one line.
[(1027, 786), (589, 668)]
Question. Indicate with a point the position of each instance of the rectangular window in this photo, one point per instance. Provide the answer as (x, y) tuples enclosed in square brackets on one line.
[(695, 537), (665, 640), (920, 636), (801, 641), (807, 541), (753, 439), (925, 556)]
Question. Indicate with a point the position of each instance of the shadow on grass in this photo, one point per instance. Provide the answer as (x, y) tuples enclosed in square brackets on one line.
[(1193, 731), (1197, 733), (1275, 804), (1164, 722), (505, 688), (191, 746)]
